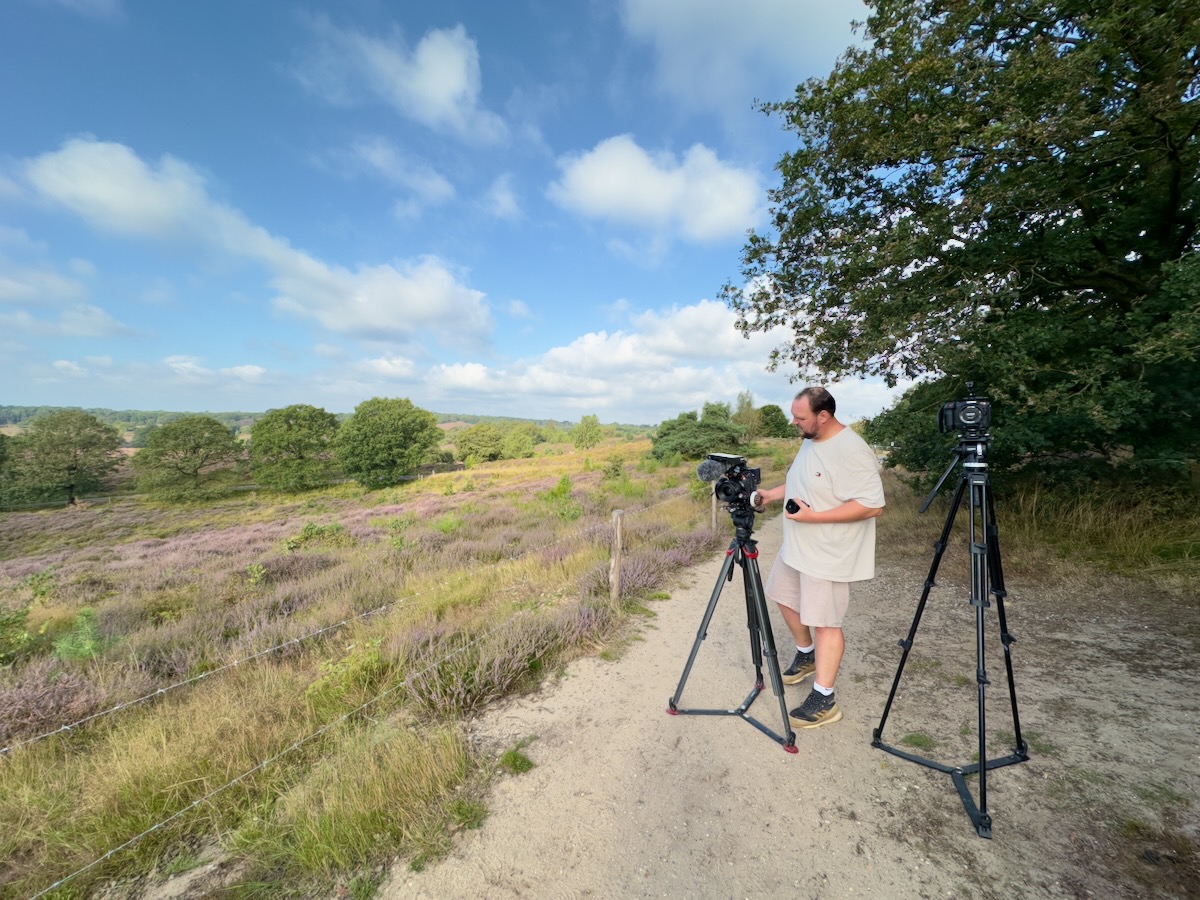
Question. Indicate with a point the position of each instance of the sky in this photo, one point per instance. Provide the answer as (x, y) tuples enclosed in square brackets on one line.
[(520, 209)]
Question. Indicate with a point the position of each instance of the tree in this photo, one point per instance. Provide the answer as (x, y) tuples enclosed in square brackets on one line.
[(1003, 193), (587, 433), (191, 458), (483, 443), (62, 453), (520, 440), (774, 422), (694, 436), (745, 416), (385, 440), (291, 449)]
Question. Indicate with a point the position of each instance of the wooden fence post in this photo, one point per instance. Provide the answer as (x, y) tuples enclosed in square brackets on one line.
[(614, 562)]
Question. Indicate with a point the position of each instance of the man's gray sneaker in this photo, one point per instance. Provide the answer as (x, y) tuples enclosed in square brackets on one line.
[(802, 666), (815, 711)]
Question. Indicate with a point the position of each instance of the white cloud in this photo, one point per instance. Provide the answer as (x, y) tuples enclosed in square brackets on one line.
[(382, 158), (437, 83), (37, 286), (661, 364), (114, 190), (519, 309), (80, 321), (388, 367), (66, 367), (187, 368), (500, 200), (712, 55), (699, 197), (249, 373)]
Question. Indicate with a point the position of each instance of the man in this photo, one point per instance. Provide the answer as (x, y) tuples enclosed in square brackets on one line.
[(827, 543)]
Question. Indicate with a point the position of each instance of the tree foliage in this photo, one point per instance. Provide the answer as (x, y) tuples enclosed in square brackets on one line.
[(587, 433), (291, 449), (61, 454), (774, 422), (385, 440), (482, 443), (1005, 194), (191, 458), (746, 417), (694, 436)]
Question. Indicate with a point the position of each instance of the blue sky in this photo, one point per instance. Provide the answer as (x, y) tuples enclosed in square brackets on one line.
[(523, 208)]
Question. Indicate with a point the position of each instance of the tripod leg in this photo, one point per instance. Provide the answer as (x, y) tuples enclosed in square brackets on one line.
[(1006, 639), (756, 601), (726, 574), (906, 644), (980, 582), (754, 622)]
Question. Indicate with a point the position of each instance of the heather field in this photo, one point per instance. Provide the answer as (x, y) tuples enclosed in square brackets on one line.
[(287, 676)]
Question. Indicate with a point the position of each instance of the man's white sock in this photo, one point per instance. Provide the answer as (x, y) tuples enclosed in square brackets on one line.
[(809, 649), (822, 690)]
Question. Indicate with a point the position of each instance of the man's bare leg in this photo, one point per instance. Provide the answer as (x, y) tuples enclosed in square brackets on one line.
[(831, 644), (800, 632)]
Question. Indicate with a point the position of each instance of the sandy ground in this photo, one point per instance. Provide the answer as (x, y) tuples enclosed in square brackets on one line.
[(628, 801)]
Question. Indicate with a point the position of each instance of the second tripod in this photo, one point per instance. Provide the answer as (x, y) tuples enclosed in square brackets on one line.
[(987, 578), (743, 551)]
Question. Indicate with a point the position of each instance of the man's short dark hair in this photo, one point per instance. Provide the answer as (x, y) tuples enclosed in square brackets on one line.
[(819, 400)]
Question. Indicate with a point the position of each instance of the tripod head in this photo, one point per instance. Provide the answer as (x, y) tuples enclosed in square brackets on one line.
[(972, 453), (743, 522), (970, 418)]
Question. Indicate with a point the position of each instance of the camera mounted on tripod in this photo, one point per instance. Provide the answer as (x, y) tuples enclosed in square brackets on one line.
[(971, 417), (736, 481)]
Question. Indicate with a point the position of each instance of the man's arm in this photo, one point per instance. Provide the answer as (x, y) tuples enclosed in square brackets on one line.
[(850, 511)]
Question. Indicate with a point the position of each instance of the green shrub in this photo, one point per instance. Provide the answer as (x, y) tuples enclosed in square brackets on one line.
[(83, 642)]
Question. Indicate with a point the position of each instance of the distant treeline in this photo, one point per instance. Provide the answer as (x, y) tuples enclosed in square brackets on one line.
[(132, 419)]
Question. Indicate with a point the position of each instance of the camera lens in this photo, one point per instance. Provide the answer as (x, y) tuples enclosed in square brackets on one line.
[(792, 506)]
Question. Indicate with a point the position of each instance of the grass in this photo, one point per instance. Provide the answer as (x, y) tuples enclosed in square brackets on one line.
[(919, 740), (1153, 538), (516, 762), (383, 619)]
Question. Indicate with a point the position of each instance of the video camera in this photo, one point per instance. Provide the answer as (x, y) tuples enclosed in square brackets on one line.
[(971, 417), (736, 481)]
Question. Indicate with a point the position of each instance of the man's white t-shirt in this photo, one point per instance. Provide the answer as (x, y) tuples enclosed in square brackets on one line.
[(826, 474)]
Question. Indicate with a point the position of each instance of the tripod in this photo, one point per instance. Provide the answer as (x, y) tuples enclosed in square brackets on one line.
[(986, 576), (743, 551)]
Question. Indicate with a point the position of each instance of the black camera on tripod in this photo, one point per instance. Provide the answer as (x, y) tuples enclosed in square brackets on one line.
[(971, 417), (736, 481)]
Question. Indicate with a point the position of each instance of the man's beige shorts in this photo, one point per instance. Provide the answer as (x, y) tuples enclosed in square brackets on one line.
[(821, 603)]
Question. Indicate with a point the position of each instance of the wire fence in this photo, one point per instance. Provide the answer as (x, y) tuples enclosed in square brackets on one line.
[(157, 826), (233, 664), (408, 680)]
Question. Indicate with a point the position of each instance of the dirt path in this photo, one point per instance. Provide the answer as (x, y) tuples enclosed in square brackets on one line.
[(626, 801)]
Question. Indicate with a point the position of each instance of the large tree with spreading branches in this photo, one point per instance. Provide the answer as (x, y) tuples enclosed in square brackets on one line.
[(385, 440), (1004, 193), (61, 454), (291, 449)]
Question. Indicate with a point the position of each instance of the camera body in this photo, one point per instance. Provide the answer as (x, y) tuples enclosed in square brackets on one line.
[(971, 417), (737, 482)]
